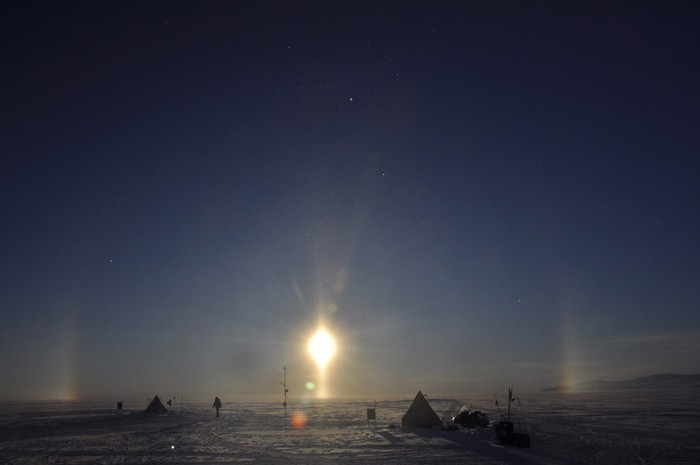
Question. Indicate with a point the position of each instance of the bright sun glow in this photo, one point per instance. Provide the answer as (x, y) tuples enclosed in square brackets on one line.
[(322, 347)]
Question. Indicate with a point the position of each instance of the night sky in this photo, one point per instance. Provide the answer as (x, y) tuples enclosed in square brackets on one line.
[(468, 195)]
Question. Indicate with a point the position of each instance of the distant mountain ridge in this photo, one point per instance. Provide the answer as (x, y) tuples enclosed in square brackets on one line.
[(665, 381)]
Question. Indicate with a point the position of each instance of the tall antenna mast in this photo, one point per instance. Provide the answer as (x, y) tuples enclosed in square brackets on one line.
[(284, 384)]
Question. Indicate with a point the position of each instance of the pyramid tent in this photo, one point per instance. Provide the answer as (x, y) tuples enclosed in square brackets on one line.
[(156, 406), (420, 414)]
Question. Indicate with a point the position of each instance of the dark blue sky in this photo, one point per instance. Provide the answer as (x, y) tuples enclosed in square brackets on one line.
[(468, 194)]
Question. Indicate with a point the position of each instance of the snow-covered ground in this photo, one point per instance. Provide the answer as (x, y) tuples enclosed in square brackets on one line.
[(631, 427)]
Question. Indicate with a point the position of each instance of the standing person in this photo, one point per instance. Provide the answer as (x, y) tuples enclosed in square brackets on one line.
[(217, 405)]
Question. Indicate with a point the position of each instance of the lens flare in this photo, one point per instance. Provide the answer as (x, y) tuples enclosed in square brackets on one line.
[(299, 420)]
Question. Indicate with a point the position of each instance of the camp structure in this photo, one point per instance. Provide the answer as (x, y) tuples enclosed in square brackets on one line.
[(471, 419), (420, 414), (156, 406), (505, 432)]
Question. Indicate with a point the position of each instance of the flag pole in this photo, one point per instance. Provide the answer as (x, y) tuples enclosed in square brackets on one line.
[(375, 414), (284, 384)]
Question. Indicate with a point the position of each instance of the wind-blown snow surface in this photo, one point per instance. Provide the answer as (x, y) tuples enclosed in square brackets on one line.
[(632, 427)]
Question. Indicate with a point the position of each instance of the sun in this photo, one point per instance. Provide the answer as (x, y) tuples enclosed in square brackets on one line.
[(322, 347)]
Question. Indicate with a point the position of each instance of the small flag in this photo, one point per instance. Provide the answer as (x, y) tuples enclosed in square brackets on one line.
[(496, 399)]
